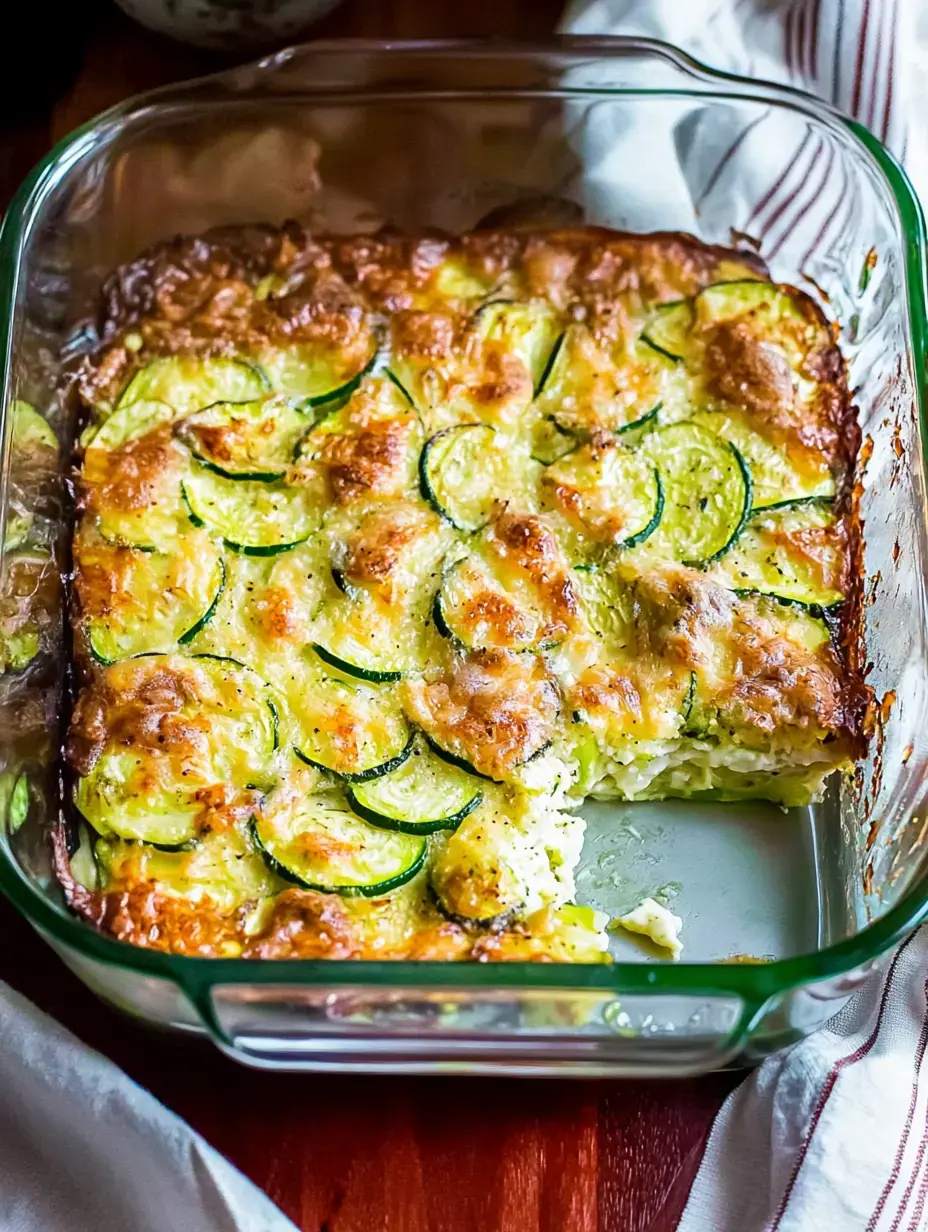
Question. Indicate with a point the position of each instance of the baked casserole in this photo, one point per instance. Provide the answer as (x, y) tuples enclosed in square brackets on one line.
[(392, 551)]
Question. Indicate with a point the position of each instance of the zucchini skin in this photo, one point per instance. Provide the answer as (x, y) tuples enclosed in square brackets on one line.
[(646, 532), (426, 486), (450, 822), (372, 675), (241, 476), (343, 392), (460, 763), (549, 366), (735, 535), (376, 890), (242, 549), (362, 776), (186, 638)]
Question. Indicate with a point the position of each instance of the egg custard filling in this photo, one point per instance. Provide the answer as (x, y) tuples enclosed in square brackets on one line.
[(392, 551)]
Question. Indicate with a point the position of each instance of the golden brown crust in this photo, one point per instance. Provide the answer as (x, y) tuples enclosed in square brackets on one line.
[(493, 707), (197, 296), (369, 460), (524, 542)]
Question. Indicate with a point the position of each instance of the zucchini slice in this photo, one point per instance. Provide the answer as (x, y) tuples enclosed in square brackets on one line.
[(14, 799), (667, 331), (796, 555), (320, 845), (188, 384), (422, 796), (164, 599), (246, 440), (462, 473), (254, 518), (707, 493), (592, 388), (545, 374), (725, 301), (317, 377), (128, 424), (29, 599), (648, 420), (550, 441), (359, 669), (352, 732), (475, 609), (776, 481), (529, 331), (370, 640), (30, 431), (615, 495), (459, 763), (153, 794)]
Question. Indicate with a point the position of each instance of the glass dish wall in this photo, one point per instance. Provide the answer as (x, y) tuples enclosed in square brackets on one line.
[(619, 133)]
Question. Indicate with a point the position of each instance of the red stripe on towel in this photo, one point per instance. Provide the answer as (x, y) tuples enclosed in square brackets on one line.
[(834, 1074)]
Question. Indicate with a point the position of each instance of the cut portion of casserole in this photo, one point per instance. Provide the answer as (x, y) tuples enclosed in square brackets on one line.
[(392, 551)]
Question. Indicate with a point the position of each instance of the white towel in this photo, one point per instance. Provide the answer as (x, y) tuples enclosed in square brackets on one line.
[(83, 1149), (831, 1135)]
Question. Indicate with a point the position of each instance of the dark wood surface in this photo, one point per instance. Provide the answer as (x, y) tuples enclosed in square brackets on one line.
[(360, 1154)]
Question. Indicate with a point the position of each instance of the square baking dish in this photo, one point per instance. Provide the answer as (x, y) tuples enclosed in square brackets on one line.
[(623, 133)]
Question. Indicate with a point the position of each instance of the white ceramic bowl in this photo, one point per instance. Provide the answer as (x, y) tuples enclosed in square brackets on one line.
[(228, 25)]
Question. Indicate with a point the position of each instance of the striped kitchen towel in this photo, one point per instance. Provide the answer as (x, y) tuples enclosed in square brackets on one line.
[(831, 1135), (867, 57)]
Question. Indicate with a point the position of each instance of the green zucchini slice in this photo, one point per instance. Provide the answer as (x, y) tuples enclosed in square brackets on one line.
[(775, 480), (545, 374), (368, 639), (172, 596), (19, 524), (795, 555), (593, 388), (648, 420), (361, 667), (707, 493), (667, 331), (29, 598), (459, 763), (461, 474), (529, 331), (188, 384), (477, 611), (254, 518), (130, 422), (352, 732), (246, 440), (550, 441), (725, 301), (320, 845), (614, 494), (152, 795), (30, 431), (422, 796), (318, 378)]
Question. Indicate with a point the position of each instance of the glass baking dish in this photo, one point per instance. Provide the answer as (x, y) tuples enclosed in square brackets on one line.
[(624, 133)]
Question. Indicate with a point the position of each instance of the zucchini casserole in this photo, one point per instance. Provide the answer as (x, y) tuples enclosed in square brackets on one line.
[(391, 551)]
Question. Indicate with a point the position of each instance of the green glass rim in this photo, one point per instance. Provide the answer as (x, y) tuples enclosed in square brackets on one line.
[(756, 983)]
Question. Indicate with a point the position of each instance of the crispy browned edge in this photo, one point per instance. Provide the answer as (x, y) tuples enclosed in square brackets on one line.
[(169, 291)]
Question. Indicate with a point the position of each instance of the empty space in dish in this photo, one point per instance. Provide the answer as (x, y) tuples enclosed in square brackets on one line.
[(751, 881)]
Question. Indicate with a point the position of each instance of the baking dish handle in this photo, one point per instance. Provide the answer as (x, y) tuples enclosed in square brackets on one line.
[(385, 1029)]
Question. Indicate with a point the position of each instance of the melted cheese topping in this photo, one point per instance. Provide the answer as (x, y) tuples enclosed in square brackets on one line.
[(509, 607)]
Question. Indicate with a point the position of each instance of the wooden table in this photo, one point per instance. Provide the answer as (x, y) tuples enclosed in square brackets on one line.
[(362, 1154)]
